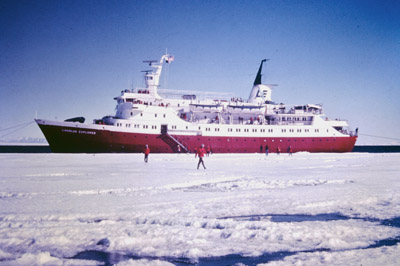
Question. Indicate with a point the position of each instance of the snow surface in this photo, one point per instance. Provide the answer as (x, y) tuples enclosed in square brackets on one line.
[(305, 209)]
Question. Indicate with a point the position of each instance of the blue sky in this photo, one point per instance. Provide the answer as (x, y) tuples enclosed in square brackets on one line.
[(62, 59)]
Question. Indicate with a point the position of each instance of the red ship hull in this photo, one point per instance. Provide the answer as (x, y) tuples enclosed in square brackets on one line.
[(75, 140)]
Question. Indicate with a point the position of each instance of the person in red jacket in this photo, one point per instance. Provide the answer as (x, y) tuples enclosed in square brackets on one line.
[(208, 150), (200, 152), (146, 153)]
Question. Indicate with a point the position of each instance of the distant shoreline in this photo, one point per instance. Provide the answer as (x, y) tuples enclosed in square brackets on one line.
[(46, 149)]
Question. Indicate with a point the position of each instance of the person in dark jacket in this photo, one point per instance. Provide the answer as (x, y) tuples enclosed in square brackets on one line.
[(289, 150), (200, 152), (146, 153)]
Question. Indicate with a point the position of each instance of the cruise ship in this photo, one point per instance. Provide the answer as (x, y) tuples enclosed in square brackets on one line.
[(174, 121)]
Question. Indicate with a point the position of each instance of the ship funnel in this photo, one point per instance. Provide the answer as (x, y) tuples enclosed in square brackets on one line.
[(257, 81), (260, 93)]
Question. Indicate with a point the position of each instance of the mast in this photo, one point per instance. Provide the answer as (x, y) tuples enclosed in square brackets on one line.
[(152, 77)]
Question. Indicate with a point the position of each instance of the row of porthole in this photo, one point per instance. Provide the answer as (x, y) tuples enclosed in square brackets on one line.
[(229, 129)]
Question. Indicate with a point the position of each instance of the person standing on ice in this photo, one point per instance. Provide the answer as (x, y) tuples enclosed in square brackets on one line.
[(208, 150), (146, 153), (200, 152), (290, 151)]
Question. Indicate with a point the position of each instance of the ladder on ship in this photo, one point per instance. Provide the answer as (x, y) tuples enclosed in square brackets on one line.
[(172, 141)]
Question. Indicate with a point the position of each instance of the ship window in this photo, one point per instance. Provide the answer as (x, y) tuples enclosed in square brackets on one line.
[(199, 128), (283, 130), (155, 115), (141, 114), (317, 130), (164, 115), (299, 130), (131, 113)]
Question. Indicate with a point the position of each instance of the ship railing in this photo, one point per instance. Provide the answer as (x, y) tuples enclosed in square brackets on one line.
[(194, 132), (291, 112), (289, 123)]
